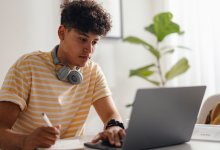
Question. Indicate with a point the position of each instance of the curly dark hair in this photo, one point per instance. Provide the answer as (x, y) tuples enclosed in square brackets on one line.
[(85, 16)]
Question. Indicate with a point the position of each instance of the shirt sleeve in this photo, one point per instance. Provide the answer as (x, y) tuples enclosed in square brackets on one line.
[(101, 88), (16, 86)]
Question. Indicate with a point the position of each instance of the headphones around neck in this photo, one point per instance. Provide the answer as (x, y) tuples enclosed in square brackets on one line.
[(65, 73)]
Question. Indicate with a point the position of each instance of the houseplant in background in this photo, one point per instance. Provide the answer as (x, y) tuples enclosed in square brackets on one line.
[(161, 27)]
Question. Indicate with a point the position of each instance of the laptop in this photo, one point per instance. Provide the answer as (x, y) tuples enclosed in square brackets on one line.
[(161, 117)]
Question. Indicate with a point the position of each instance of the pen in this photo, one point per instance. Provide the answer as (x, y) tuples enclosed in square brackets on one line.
[(46, 119)]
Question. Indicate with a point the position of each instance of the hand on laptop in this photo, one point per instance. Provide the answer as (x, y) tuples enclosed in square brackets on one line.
[(114, 134)]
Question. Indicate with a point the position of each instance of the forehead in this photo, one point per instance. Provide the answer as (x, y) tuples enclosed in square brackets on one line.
[(88, 34)]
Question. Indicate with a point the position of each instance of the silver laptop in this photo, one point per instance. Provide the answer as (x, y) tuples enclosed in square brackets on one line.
[(162, 117)]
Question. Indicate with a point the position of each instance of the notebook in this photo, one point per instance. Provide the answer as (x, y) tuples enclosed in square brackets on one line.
[(66, 144)]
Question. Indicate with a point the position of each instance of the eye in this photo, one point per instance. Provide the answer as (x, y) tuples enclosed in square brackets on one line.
[(94, 43), (83, 39)]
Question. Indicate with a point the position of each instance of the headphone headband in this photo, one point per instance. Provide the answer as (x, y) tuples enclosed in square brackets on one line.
[(54, 55)]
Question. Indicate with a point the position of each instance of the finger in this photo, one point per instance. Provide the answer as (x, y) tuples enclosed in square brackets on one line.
[(49, 136), (98, 137), (110, 136), (49, 133), (117, 139), (58, 127), (52, 130), (122, 133)]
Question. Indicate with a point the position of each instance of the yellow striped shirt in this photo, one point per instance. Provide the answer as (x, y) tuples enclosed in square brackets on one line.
[(32, 84)]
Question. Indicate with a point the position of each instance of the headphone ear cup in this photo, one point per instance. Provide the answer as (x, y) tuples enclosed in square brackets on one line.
[(63, 73), (75, 77)]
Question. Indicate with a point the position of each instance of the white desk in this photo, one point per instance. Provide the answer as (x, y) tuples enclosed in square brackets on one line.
[(194, 145)]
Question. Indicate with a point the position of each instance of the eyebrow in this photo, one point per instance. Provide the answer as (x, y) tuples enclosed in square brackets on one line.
[(84, 34)]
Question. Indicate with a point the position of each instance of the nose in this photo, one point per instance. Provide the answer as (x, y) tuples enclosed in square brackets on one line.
[(89, 48)]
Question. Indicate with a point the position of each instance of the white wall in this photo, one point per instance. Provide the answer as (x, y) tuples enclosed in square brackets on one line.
[(26, 26), (29, 25)]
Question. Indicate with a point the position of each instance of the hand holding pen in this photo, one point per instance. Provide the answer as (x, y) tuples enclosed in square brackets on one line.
[(43, 137)]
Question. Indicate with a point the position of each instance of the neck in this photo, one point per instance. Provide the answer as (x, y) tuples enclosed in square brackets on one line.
[(62, 59)]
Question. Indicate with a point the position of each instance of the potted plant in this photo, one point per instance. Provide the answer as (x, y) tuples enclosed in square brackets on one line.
[(161, 27)]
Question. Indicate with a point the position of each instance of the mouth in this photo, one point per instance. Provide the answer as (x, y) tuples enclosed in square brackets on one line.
[(84, 57)]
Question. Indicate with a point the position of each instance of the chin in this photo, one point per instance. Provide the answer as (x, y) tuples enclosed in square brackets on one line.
[(82, 64), (79, 64)]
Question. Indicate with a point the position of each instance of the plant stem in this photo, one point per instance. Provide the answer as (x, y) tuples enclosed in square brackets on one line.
[(159, 69), (160, 73)]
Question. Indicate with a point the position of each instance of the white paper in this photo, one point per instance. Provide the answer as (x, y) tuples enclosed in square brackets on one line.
[(66, 144), (206, 132)]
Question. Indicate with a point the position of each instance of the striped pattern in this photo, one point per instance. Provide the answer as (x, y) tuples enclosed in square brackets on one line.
[(32, 84)]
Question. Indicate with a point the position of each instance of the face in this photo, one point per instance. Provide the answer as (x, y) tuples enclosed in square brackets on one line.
[(76, 47)]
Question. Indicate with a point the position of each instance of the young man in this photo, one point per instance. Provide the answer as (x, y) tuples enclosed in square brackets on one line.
[(63, 83)]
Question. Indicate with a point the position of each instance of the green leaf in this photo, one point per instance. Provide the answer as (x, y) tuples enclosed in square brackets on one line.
[(142, 72), (136, 40), (164, 26), (183, 47), (180, 67), (155, 52), (170, 51), (167, 47), (150, 29), (153, 82)]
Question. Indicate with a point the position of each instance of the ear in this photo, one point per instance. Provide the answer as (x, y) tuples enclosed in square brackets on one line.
[(61, 32)]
